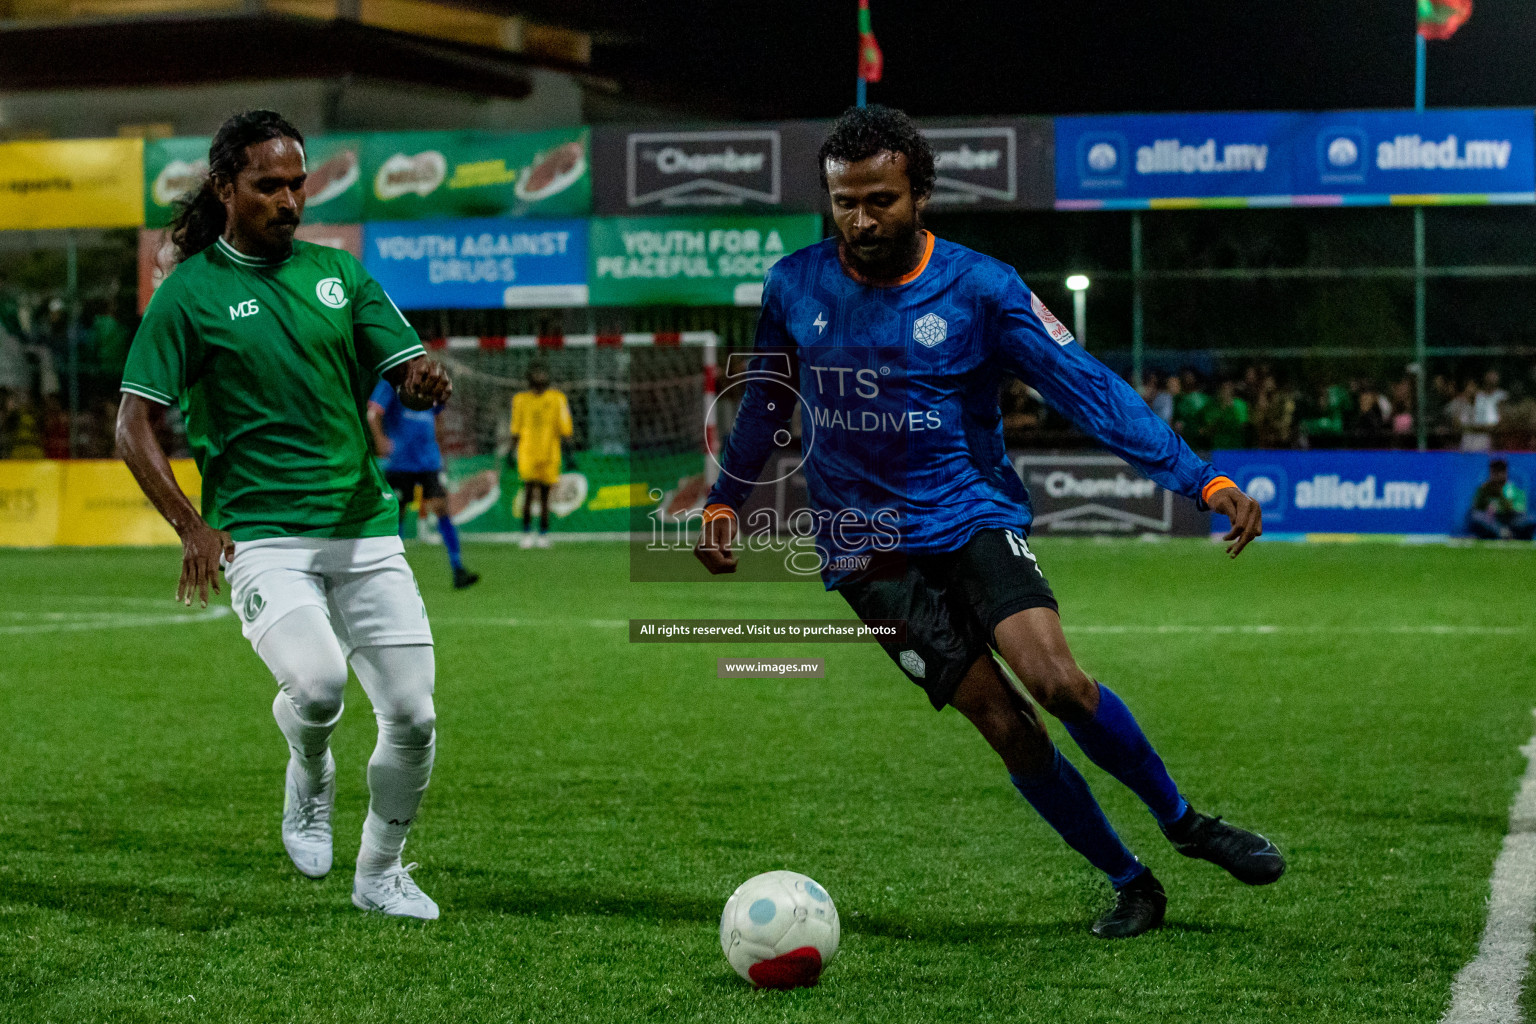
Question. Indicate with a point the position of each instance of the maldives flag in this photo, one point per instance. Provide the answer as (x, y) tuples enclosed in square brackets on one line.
[(1439, 19), (871, 61)]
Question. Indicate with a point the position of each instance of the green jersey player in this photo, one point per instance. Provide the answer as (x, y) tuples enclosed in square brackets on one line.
[(270, 347)]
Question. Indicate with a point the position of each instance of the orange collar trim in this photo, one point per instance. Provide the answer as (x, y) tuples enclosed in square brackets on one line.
[(907, 278)]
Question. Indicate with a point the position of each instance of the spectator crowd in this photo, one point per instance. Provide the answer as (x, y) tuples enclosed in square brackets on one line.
[(1255, 408), (40, 379)]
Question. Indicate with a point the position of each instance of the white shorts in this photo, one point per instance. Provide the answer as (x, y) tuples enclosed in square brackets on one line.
[(365, 586)]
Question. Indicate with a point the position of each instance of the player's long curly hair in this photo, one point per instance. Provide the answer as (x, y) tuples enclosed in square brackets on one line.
[(199, 219), (864, 131)]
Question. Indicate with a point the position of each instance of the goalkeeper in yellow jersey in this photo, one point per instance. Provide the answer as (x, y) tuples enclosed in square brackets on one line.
[(541, 420)]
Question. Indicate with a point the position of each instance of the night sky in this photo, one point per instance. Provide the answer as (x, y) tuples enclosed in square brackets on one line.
[(796, 58)]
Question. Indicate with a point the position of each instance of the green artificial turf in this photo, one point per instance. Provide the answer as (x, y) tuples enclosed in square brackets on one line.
[(596, 801)]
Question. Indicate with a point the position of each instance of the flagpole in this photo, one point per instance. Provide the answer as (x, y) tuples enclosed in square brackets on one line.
[(1420, 332), (863, 90), (1421, 49)]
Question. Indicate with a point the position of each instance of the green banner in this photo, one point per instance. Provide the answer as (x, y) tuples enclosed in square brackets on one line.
[(691, 261), (417, 175), (333, 193), (601, 494), (172, 168)]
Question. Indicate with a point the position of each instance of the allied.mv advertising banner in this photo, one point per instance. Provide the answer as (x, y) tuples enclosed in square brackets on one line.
[(1341, 492), (1338, 158)]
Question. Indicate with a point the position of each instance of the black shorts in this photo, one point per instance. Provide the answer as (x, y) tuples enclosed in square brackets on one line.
[(404, 485), (951, 603)]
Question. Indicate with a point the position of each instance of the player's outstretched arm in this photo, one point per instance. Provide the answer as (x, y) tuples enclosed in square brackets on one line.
[(421, 383), (1246, 516), (201, 544), (1038, 349), (762, 422)]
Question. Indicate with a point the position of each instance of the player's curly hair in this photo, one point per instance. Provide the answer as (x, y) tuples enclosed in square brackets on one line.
[(864, 131), (199, 219)]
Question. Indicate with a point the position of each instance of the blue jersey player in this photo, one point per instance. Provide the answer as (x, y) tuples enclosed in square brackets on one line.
[(896, 344), (406, 439)]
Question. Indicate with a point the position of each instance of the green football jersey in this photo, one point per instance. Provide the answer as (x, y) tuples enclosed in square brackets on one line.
[(272, 363)]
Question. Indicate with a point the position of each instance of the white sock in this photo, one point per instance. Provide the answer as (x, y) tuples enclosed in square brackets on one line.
[(399, 681), (309, 742), (383, 843)]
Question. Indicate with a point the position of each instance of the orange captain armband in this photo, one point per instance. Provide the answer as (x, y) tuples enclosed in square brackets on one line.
[(1215, 485), (718, 510)]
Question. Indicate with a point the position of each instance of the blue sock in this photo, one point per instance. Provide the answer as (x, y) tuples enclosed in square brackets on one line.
[(1113, 741), (450, 541), (1062, 797)]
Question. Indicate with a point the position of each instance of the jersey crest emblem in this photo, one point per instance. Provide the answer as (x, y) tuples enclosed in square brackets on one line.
[(331, 292), (913, 663), (254, 603), (1055, 328), (930, 330)]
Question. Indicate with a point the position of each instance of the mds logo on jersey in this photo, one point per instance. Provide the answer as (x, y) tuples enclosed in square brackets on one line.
[(245, 309)]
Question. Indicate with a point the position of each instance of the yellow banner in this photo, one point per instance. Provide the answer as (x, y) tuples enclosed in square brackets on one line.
[(87, 502), (101, 504), (74, 183), (29, 503)]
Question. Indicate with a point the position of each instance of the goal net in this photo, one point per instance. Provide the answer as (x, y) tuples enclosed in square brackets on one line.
[(641, 408)]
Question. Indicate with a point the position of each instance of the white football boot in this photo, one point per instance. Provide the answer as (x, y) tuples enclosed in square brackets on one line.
[(307, 818), (526, 541), (393, 892), (545, 540)]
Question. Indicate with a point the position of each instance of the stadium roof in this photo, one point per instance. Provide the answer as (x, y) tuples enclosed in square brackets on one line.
[(190, 51), (793, 58)]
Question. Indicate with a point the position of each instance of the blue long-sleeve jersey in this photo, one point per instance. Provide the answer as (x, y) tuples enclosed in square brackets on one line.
[(901, 429)]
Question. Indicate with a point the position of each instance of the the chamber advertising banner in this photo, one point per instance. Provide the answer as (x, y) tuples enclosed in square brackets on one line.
[(760, 167), (980, 164), (1003, 164), (1083, 493)]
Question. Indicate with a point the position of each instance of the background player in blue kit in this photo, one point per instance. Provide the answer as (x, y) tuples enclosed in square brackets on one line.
[(407, 442), (898, 343)]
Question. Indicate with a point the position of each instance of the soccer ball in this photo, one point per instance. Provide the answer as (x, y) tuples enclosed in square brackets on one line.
[(779, 930)]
